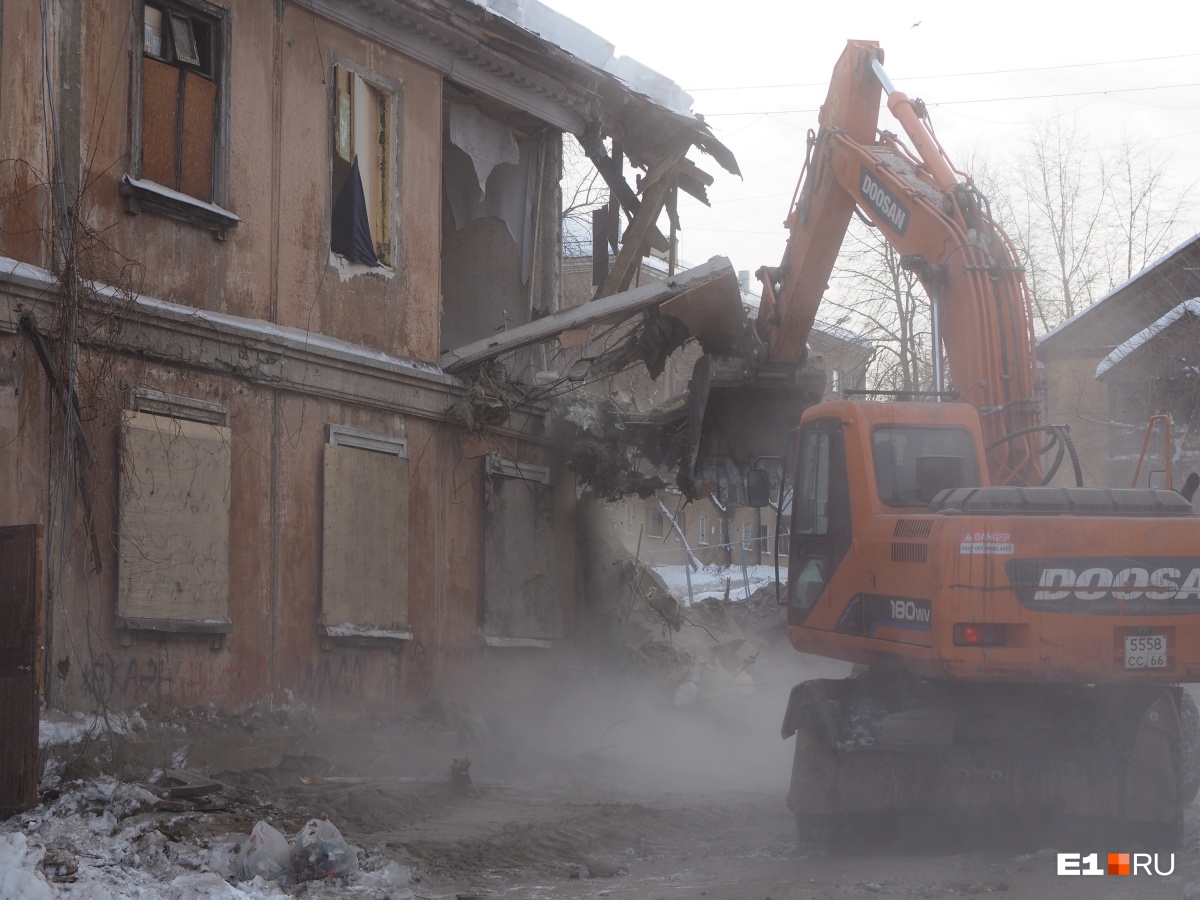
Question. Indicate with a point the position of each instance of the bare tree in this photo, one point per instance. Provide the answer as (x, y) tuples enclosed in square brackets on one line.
[(1061, 207), (887, 305), (1146, 209), (583, 190)]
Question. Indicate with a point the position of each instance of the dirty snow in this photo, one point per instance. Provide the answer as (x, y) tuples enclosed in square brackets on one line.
[(583, 44), (101, 840), (71, 728), (709, 582)]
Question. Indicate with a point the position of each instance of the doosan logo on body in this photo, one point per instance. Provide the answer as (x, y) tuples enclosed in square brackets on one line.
[(883, 202), (1108, 585), (1129, 583)]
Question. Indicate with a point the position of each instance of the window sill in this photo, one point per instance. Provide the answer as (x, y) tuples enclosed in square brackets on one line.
[(155, 197), (345, 633), (347, 270), (215, 631), (495, 640)]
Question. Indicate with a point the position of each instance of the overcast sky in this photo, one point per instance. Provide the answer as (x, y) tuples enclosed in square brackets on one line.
[(758, 71)]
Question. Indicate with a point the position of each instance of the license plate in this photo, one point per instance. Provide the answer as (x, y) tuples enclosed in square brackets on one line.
[(1146, 651)]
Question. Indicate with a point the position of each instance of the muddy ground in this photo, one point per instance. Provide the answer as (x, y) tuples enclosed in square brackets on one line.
[(660, 778), (651, 801)]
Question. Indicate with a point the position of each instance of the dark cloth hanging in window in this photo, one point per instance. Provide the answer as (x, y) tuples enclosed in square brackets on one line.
[(350, 230)]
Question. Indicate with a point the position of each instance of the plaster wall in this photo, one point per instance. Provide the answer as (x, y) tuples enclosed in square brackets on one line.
[(1074, 398)]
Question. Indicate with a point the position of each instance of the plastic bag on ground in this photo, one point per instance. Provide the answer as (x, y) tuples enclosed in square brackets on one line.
[(266, 854), (321, 852)]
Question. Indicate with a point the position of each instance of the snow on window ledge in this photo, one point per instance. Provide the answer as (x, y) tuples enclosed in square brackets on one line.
[(366, 632), (347, 270), (139, 192)]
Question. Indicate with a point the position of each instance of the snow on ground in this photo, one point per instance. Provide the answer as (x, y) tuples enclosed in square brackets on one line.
[(709, 582), (56, 728), (102, 840)]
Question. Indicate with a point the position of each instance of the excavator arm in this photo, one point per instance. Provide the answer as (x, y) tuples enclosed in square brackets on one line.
[(939, 223)]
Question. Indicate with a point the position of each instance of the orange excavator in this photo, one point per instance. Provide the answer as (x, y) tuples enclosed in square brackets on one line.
[(1021, 646)]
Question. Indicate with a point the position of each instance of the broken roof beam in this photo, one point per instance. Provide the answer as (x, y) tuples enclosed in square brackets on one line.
[(714, 278), (610, 171), (655, 189)]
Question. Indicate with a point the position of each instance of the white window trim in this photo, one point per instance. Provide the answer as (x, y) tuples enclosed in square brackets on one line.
[(345, 436), (176, 406), (498, 465)]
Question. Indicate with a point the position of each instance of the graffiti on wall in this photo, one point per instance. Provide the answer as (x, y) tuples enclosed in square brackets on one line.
[(329, 677), (156, 680)]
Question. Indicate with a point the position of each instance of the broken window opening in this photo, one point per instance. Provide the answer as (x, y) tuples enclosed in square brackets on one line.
[(179, 100), (360, 222), (501, 196)]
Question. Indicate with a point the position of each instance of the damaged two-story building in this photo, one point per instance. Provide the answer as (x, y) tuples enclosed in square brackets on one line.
[(236, 242)]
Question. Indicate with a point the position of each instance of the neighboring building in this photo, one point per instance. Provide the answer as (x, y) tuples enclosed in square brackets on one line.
[(715, 535), (235, 469), (1132, 354)]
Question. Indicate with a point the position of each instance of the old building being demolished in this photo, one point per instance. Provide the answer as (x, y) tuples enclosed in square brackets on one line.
[(243, 251)]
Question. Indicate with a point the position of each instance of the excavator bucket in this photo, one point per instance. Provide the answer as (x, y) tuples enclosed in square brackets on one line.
[(738, 418)]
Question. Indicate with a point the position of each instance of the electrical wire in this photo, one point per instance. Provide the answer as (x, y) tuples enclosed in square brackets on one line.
[(940, 103), (1114, 62)]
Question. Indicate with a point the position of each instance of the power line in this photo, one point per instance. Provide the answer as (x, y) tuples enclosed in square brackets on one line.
[(1115, 62), (938, 103)]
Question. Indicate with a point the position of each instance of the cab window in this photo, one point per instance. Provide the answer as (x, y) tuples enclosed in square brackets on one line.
[(914, 463)]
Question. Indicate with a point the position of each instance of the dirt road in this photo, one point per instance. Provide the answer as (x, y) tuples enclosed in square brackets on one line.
[(550, 840)]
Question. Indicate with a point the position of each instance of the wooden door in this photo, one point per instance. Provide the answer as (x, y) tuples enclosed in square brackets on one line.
[(20, 665)]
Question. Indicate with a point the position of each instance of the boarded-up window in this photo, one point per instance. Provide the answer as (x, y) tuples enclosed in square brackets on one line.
[(174, 524), (364, 572), (179, 99), (521, 603), (360, 224)]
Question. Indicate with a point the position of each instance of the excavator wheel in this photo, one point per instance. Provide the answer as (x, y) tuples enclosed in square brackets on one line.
[(1189, 747), (840, 833)]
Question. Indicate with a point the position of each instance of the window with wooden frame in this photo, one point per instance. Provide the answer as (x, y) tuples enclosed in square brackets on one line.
[(179, 99), (178, 132), (655, 526), (360, 187), (703, 531)]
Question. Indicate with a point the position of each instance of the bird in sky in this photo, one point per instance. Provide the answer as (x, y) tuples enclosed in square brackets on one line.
[(915, 24)]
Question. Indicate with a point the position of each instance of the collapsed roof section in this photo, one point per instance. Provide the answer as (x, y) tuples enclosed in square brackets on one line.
[(525, 56)]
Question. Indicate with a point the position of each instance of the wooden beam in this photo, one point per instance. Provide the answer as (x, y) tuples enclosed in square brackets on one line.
[(610, 171), (615, 308), (659, 182)]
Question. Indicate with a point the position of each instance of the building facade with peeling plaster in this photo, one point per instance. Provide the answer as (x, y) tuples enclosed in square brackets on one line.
[(235, 240)]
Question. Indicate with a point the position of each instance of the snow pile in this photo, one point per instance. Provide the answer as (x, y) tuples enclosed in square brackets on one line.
[(102, 840), (709, 582), (57, 728), (20, 877)]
